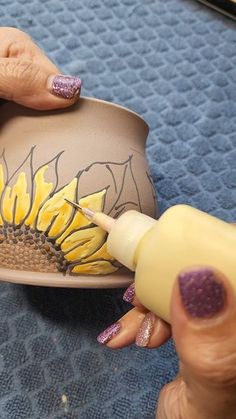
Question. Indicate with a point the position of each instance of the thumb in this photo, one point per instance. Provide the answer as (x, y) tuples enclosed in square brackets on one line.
[(203, 326), (35, 85)]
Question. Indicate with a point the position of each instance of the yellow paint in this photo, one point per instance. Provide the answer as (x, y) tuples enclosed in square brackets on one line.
[(18, 197), (42, 190), (94, 202), (101, 253), (99, 267), (78, 238), (57, 206), (78, 221), (83, 243)]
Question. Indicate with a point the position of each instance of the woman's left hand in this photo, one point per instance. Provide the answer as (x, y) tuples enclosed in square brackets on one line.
[(29, 78)]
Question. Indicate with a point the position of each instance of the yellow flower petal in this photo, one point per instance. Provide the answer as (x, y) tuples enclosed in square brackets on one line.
[(2, 184), (78, 221), (101, 253), (57, 211), (98, 267), (16, 201), (83, 243), (94, 202), (42, 190)]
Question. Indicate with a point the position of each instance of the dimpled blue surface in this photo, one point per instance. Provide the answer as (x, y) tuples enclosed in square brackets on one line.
[(172, 61)]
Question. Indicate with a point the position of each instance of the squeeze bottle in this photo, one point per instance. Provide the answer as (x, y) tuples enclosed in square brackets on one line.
[(158, 250)]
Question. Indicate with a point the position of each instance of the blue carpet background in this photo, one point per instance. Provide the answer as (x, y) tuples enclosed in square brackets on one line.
[(172, 61)]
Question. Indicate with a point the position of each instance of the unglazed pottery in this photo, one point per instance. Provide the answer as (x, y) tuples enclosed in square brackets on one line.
[(92, 153)]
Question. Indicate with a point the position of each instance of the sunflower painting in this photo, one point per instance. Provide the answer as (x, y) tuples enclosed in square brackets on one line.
[(40, 231)]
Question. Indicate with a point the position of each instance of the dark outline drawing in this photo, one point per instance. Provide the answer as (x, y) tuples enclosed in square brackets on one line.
[(118, 207)]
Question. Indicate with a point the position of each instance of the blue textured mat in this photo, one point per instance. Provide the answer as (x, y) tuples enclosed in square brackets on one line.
[(174, 62)]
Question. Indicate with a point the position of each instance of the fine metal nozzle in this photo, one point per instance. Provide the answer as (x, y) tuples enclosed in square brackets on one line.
[(74, 204), (85, 211), (98, 218)]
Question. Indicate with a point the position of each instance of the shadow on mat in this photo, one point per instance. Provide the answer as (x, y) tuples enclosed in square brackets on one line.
[(76, 306)]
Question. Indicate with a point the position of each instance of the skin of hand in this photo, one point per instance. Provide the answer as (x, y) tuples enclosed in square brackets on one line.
[(205, 340), (29, 78), (203, 318)]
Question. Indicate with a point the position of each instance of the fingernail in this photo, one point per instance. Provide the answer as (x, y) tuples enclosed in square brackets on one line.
[(66, 87), (109, 333), (202, 294), (129, 294), (145, 330)]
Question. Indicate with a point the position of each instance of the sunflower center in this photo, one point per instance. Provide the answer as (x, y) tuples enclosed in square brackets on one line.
[(26, 249)]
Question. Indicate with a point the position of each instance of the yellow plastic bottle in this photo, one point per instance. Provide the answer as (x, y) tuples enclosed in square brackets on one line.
[(157, 250)]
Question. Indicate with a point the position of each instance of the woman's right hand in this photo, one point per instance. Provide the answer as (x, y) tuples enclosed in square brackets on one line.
[(203, 313)]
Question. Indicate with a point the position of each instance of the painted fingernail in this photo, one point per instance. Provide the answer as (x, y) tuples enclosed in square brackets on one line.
[(145, 330), (202, 294), (129, 294), (66, 87), (109, 333)]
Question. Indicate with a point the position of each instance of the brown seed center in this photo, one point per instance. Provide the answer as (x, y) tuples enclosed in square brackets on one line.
[(25, 249)]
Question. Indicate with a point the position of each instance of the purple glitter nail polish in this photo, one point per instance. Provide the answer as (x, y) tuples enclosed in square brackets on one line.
[(108, 333), (202, 293), (66, 87), (145, 330), (129, 294)]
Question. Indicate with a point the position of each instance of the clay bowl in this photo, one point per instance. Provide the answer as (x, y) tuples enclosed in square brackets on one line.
[(93, 154)]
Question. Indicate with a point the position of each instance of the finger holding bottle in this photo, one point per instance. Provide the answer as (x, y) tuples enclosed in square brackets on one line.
[(138, 326)]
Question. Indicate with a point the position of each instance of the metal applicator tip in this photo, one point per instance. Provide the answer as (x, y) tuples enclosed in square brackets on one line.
[(98, 218), (86, 211)]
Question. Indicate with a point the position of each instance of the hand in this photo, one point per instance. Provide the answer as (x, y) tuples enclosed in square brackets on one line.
[(203, 313), (29, 78)]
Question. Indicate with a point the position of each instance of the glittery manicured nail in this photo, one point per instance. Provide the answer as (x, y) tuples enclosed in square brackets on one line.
[(66, 87), (202, 294), (129, 294), (145, 330), (109, 333)]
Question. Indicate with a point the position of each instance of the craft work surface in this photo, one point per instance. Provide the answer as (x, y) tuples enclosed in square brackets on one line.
[(96, 156), (173, 62)]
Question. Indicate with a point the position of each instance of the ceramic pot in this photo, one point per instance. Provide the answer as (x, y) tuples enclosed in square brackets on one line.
[(92, 153)]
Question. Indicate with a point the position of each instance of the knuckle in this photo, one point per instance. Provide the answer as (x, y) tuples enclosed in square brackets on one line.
[(162, 405), (16, 48), (171, 403), (221, 371), (18, 77), (24, 70), (216, 364), (16, 43)]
